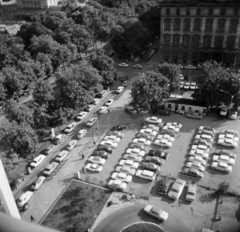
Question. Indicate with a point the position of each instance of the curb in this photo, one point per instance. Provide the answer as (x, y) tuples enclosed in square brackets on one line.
[(136, 223)]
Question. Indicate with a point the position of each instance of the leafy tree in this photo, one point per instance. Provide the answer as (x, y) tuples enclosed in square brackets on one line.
[(7, 164), (149, 90), (19, 113), (172, 72), (213, 78), (54, 20), (45, 62), (222, 189)]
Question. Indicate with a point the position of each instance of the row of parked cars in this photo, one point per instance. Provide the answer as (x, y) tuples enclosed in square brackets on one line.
[(188, 85)]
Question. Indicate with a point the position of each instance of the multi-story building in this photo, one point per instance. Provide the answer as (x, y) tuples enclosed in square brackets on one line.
[(193, 31)]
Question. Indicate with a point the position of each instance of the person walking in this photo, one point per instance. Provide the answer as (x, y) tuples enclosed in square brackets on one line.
[(32, 219)]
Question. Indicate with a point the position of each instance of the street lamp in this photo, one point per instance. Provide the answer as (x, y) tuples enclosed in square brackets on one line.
[(189, 70), (108, 113), (232, 97)]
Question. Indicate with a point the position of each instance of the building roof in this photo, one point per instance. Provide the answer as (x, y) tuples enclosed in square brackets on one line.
[(13, 29), (185, 101)]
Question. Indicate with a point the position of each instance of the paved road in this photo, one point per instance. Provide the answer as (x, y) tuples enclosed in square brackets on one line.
[(124, 217)]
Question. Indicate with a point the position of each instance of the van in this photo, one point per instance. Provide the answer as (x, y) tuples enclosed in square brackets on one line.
[(164, 184), (24, 198), (37, 183)]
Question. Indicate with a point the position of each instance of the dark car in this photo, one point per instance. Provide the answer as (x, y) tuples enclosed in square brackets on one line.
[(104, 148), (159, 153), (164, 184), (16, 183), (101, 153), (119, 128), (149, 137), (124, 78), (164, 112)]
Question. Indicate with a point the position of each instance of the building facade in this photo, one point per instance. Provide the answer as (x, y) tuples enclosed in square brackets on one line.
[(193, 31)]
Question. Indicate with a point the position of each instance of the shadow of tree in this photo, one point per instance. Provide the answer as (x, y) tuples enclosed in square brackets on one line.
[(206, 198)]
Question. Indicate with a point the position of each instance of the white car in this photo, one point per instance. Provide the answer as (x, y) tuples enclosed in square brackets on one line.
[(149, 132), (230, 131), (206, 128), (61, 156), (81, 133), (175, 124), (129, 163), (186, 85), (142, 141), (117, 184), (228, 136), (166, 136), (134, 157), (119, 89), (71, 145), (94, 167), (139, 66), (153, 120), (135, 151), (151, 126), (156, 212), (181, 77), (226, 153), (197, 158), (224, 158), (195, 164), (58, 139), (126, 169), (102, 110), (112, 138), (145, 174), (37, 160), (24, 198), (208, 138), (70, 127), (200, 147), (191, 192), (224, 111), (164, 143), (109, 102), (123, 65), (81, 115), (118, 134), (96, 101), (202, 153), (136, 59), (177, 189), (96, 160), (221, 166), (171, 128), (50, 168), (37, 183), (227, 143), (193, 86), (181, 84), (109, 143), (122, 176), (91, 121), (89, 107)]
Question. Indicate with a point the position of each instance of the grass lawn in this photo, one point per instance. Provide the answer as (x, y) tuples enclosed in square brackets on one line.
[(77, 208), (142, 227)]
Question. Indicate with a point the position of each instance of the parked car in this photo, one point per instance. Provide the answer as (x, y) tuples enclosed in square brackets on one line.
[(106, 148), (153, 120), (71, 145), (138, 66), (94, 167), (97, 160), (81, 115), (224, 158), (125, 83), (224, 111), (89, 108), (202, 142), (149, 132), (227, 143), (142, 141), (197, 158), (195, 115), (233, 115), (109, 143), (18, 182), (221, 166), (108, 102), (176, 189), (136, 59), (195, 164), (197, 152), (49, 149), (171, 128), (37, 160), (112, 138), (164, 143), (24, 198), (81, 133), (226, 153), (191, 192), (119, 128), (129, 163), (91, 121), (148, 137), (145, 174), (58, 139), (150, 166), (193, 172), (103, 109), (206, 128), (118, 184), (155, 159), (164, 185), (162, 154), (186, 86), (156, 212), (131, 110), (38, 182), (135, 151), (123, 65), (61, 156), (200, 147), (126, 169), (193, 86), (70, 127), (122, 176), (167, 137), (175, 124), (118, 134), (119, 89), (101, 153), (151, 126), (50, 168), (134, 157), (138, 146), (164, 112)]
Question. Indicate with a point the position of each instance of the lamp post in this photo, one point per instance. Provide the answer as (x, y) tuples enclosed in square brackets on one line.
[(108, 113), (189, 70), (232, 97)]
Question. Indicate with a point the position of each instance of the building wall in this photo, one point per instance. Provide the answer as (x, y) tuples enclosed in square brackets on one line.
[(192, 33), (37, 4), (175, 107)]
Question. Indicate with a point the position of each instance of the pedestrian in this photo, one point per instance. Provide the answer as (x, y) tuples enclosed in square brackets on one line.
[(32, 219), (94, 143), (83, 156)]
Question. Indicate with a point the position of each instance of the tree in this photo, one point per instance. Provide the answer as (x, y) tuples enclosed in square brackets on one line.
[(7, 164), (46, 63), (213, 78), (149, 90), (172, 72), (18, 113), (54, 20), (222, 189)]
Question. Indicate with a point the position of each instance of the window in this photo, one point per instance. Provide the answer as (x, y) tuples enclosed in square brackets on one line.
[(231, 42), (177, 11), (167, 11), (223, 11), (185, 56), (210, 12), (167, 39), (176, 25), (176, 40), (218, 42), (221, 25), (236, 11), (186, 40), (207, 41), (233, 26), (188, 11), (209, 25), (196, 40), (186, 26), (197, 25), (198, 11), (167, 24)]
